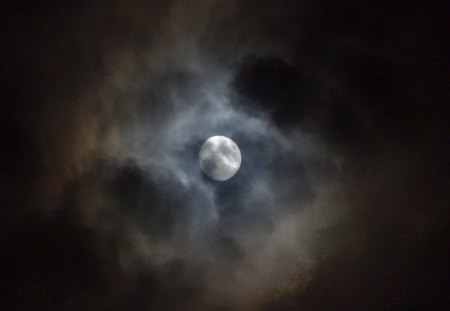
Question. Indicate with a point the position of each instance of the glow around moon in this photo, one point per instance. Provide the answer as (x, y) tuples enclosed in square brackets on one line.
[(219, 158)]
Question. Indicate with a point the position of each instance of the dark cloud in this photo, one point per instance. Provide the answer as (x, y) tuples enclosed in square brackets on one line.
[(53, 263), (278, 87), (340, 113)]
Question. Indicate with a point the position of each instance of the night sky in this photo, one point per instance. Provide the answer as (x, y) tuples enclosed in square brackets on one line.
[(341, 113)]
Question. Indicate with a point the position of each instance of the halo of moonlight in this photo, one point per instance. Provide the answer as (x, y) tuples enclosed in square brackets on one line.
[(219, 158)]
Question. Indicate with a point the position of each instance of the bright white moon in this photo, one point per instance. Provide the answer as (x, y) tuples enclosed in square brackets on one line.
[(219, 158)]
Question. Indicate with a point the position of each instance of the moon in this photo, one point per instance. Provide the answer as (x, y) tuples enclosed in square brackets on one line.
[(219, 158)]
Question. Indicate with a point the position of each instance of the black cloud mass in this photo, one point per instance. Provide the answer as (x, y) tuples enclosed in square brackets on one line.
[(340, 111)]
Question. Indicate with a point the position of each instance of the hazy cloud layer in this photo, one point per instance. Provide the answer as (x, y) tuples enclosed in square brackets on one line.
[(340, 114)]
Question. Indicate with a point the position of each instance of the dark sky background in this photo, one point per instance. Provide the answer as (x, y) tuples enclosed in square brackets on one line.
[(339, 108)]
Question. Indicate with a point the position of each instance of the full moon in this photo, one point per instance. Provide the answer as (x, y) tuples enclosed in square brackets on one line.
[(219, 158)]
